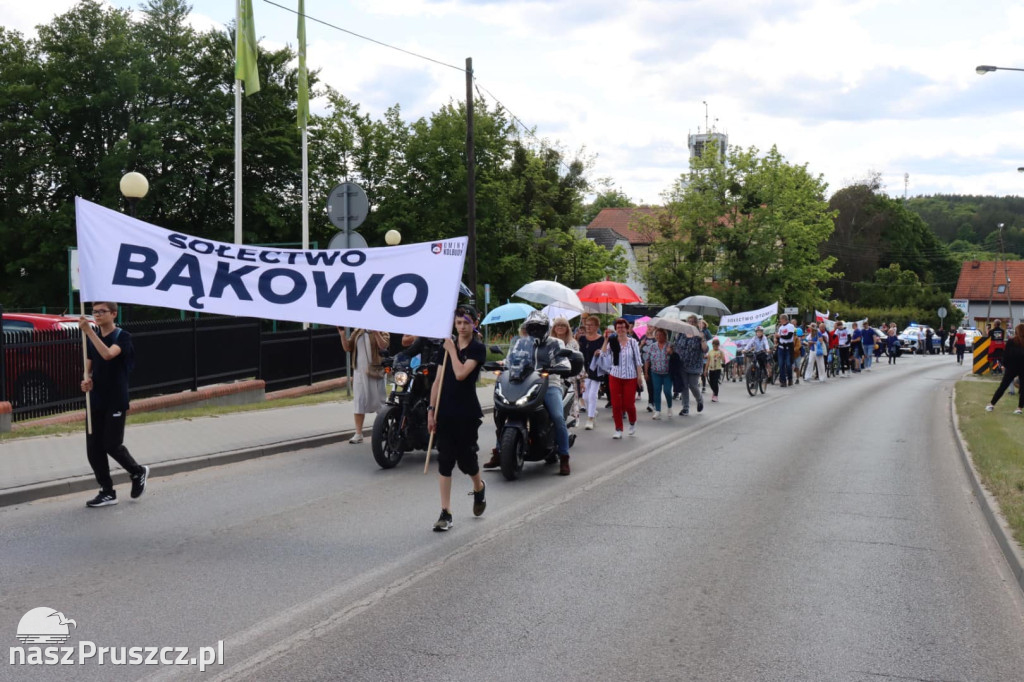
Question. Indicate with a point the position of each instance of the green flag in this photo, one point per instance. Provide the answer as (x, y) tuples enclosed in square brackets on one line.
[(245, 50), (303, 108)]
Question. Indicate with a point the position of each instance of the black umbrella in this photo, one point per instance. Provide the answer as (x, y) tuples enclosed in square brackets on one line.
[(704, 305)]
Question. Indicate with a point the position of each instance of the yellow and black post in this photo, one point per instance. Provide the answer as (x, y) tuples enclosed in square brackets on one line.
[(981, 365)]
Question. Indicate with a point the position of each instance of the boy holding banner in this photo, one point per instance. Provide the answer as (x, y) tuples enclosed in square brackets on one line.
[(111, 357), (458, 416)]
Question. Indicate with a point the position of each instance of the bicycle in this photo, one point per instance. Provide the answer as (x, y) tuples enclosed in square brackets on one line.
[(756, 377), (802, 370), (833, 366)]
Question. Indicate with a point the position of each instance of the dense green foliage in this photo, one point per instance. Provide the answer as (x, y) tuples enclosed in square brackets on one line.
[(102, 91), (746, 231), (874, 231), (970, 224)]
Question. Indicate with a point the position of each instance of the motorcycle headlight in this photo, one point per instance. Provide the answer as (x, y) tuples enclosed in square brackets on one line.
[(530, 395), (401, 378)]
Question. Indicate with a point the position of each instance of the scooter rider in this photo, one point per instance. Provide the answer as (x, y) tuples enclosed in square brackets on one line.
[(545, 347)]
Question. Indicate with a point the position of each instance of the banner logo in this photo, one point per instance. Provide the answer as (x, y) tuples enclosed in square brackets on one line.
[(43, 625), (435, 248)]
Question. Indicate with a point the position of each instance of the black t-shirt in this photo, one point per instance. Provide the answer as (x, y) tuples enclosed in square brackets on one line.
[(110, 377), (997, 334), (458, 398), (588, 348)]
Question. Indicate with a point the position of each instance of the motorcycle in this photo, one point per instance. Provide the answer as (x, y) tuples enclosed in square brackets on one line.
[(401, 425), (525, 431)]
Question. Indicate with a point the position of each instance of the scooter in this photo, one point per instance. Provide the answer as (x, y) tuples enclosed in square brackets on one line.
[(401, 425), (525, 431)]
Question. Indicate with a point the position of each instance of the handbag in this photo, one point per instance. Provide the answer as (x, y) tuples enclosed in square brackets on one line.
[(819, 348)]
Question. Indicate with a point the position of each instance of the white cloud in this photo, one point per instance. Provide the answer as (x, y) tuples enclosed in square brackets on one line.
[(844, 86)]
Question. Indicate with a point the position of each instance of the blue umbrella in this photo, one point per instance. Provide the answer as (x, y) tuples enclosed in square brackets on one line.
[(508, 312)]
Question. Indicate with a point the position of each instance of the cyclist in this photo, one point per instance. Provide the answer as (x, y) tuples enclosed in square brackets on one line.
[(760, 347)]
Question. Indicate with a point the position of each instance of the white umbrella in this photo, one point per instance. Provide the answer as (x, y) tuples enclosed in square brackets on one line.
[(553, 310), (673, 325), (545, 291)]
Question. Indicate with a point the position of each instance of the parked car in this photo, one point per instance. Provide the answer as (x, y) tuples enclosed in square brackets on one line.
[(45, 370), (912, 339)]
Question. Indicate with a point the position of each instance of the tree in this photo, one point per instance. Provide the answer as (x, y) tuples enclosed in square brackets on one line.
[(608, 198), (874, 231), (745, 230)]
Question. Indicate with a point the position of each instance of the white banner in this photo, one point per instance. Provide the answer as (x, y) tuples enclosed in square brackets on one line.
[(749, 317), (412, 289)]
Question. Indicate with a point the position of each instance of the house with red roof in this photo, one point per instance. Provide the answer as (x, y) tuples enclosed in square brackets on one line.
[(634, 229), (990, 290)]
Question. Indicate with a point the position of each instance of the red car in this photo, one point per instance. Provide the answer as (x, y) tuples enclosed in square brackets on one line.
[(46, 368)]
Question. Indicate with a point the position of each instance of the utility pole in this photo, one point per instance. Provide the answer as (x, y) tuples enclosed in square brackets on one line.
[(470, 180), (995, 269), (1006, 273)]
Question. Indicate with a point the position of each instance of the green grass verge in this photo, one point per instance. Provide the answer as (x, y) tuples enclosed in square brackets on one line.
[(994, 439), (196, 412), (188, 413)]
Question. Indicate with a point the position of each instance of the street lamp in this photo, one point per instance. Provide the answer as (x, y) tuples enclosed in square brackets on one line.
[(984, 68), (134, 186), (393, 238)]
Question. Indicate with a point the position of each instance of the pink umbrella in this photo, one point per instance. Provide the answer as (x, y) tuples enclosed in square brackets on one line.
[(727, 346), (640, 325)]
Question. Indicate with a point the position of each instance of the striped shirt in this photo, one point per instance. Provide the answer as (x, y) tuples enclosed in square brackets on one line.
[(629, 360)]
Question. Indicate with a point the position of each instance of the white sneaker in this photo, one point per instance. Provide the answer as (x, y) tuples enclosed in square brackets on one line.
[(656, 415), (617, 435), (358, 438), (590, 424), (632, 429), (989, 408)]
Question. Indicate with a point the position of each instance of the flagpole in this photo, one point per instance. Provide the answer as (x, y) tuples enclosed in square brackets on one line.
[(238, 136)]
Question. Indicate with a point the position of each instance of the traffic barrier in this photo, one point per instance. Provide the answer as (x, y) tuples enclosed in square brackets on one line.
[(981, 365)]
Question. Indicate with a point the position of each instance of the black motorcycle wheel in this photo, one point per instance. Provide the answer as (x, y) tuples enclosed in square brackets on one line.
[(385, 443), (513, 451)]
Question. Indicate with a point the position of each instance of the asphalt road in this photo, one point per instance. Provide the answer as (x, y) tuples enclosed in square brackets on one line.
[(817, 533)]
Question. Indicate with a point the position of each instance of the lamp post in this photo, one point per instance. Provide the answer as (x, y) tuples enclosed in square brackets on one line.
[(134, 186), (985, 68)]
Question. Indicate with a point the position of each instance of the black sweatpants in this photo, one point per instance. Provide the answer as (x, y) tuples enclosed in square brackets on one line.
[(1008, 378), (456, 444), (714, 377), (107, 438)]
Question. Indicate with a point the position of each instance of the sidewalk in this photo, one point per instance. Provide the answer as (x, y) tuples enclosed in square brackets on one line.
[(46, 466)]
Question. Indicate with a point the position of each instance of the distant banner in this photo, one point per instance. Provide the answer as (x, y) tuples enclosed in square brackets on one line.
[(411, 289), (741, 326), (819, 316)]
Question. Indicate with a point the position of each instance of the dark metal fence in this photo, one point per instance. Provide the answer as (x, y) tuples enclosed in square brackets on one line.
[(42, 370)]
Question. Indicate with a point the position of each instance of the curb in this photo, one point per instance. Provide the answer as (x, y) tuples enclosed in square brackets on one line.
[(989, 505), (77, 484)]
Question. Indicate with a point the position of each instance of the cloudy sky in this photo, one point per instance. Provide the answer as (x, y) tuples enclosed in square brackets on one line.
[(848, 87)]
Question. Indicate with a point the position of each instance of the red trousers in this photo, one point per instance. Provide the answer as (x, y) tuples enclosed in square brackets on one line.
[(623, 396)]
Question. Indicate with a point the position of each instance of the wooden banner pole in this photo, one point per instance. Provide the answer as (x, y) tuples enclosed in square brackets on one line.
[(440, 387), (85, 376)]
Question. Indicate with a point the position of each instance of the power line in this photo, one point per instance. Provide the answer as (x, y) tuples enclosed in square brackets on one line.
[(460, 69), (515, 119)]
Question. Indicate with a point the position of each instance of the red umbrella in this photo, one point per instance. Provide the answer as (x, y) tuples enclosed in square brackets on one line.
[(608, 292)]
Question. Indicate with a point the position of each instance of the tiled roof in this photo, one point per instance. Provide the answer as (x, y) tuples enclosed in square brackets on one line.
[(625, 221), (604, 236), (977, 282)]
